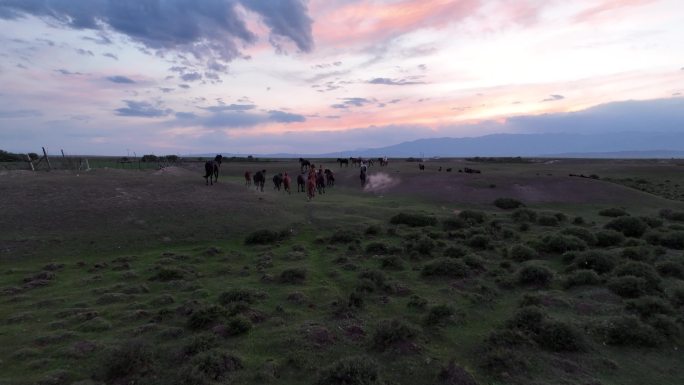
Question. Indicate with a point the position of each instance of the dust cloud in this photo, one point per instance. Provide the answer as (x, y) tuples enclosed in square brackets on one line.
[(380, 182)]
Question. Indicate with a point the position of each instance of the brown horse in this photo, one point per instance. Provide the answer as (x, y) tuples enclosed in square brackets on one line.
[(286, 183), (301, 182), (311, 184), (211, 169), (248, 178)]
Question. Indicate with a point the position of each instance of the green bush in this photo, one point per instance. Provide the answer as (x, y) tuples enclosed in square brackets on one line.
[(392, 262), (199, 343), (676, 295), (641, 270), (265, 237), (445, 267), (608, 238), (474, 261), (665, 325), (648, 305), (582, 278), (670, 269), (524, 215), (628, 286), (210, 366), (376, 276), (373, 230), (473, 217), (237, 295), (205, 317), (613, 212), (355, 370), (628, 226), (455, 375), (522, 253), (673, 240), (391, 332), (127, 360), (629, 331), (582, 233), (548, 220), (413, 220), (595, 260), (503, 362), (166, 274), (423, 246), (478, 241), (454, 223), (652, 222), (293, 275), (238, 325), (559, 336), (508, 203), (578, 221), (438, 314), (528, 319), (672, 215), (377, 248), (534, 275), (558, 243), (642, 254), (417, 302), (344, 236), (457, 251)]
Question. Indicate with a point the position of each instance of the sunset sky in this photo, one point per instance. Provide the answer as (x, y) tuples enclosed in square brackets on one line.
[(267, 76)]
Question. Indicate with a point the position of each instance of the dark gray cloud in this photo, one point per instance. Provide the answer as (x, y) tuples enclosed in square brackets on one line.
[(236, 116), (284, 117), (553, 98), (142, 109), (120, 79), (185, 115), (208, 29), (191, 76), (230, 107), (165, 90), (67, 72), (395, 82), (19, 114), (101, 39), (355, 102), (110, 55), (84, 52), (185, 86)]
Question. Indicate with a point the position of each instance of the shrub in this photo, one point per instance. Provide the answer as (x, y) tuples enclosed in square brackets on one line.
[(648, 305), (508, 203), (166, 274), (265, 237), (578, 221), (547, 220), (377, 248), (524, 215), (199, 343), (673, 240), (528, 319), (237, 295), (417, 302), (126, 360), (355, 300), (613, 212), (629, 226), (580, 232), (670, 269), (344, 236), (503, 362), (636, 253), (582, 278), (212, 365), (373, 230), (607, 238), (629, 331), (560, 337), (391, 332), (672, 215), (454, 223), (376, 276), (478, 241), (595, 260), (640, 270), (438, 314), (392, 262), (205, 317), (294, 275), (473, 217), (474, 261), (558, 243), (676, 295), (238, 325), (445, 267), (628, 286), (455, 375), (522, 253), (535, 275), (665, 325), (423, 246), (457, 251), (356, 370), (413, 220), (652, 222)]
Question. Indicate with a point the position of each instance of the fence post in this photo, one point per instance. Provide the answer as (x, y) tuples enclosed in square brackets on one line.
[(30, 162), (47, 159)]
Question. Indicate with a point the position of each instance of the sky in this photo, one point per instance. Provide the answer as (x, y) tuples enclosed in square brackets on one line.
[(116, 77)]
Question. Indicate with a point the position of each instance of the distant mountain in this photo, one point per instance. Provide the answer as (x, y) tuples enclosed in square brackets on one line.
[(622, 145)]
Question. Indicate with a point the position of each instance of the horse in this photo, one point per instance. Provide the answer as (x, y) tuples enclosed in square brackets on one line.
[(330, 177), (343, 161), (301, 182), (311, 184), (320, 182), (370, 162), (355, 161), (211, 168), (286, 183), (362, 176), (259, 179), (440, 168), (448, 169), (248, 178), (383, 161), (277, 181), (421, 166), (304, 163)]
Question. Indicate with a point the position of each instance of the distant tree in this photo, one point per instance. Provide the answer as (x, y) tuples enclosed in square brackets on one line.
[(11, 157), (149, 158), (172, 158)]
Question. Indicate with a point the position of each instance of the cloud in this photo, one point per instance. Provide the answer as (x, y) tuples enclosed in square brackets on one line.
[(67, 72), (185, 86), (165, 90), (210, 29), (141, 109), (553, 98), (120, 79), (231, 107), (185, 115), (19, 114), (356, 102), (285, 117), (84, 52), (101, 39), (110, 55), (394, 82), (236, 116), (191, 76)]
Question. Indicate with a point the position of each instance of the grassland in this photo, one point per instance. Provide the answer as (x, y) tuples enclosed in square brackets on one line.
[(151, 277)]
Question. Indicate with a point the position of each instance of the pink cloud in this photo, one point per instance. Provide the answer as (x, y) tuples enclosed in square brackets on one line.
[(607, 9)]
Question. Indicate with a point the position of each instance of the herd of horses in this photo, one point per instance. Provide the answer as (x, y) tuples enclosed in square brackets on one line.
[(360, 161)]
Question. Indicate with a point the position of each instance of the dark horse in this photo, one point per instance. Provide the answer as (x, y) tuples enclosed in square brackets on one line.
[(329, 177), (260, 179), (320, 182), (301, 183), (304, 163), (211, 168), (343, 161), (363, 175), (277, 181)]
